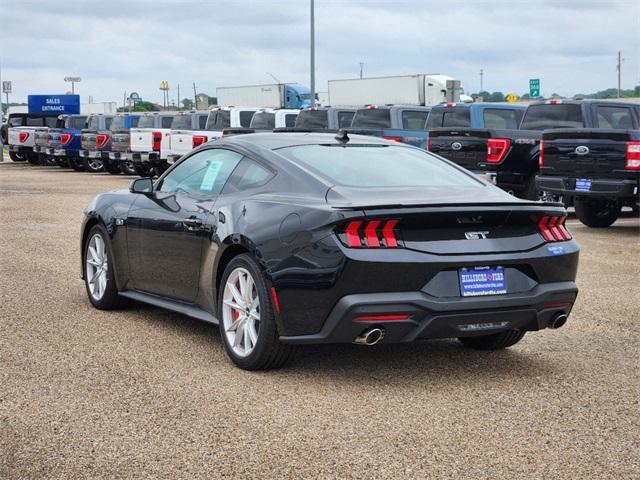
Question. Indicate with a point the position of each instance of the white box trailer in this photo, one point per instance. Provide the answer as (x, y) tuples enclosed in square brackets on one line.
[(276, 95), (421, 89)]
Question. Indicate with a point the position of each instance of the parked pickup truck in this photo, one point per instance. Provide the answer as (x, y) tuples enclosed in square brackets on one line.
[(21, 139), (599, 169), (325, 118), (63, 142), (401, 123), (508, 155), (187, 132), (149, 143), (118, 144), (95, 142), (41, 138), (266, 119)]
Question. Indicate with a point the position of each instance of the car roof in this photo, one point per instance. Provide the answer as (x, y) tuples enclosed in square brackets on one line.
[(274, 141)]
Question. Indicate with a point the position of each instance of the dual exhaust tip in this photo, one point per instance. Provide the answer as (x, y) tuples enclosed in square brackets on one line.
[(370, 336)]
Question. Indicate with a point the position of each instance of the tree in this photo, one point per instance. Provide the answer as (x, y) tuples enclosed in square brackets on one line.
[(187, 103)]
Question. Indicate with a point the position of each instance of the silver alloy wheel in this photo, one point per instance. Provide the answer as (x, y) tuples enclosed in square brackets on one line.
[(241, 312), (97, 266), (95, 164)]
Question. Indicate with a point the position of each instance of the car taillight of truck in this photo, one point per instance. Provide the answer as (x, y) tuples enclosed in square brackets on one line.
[(633, 156)]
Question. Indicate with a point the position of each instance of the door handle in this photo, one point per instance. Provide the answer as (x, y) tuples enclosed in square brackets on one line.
[(192, 223)]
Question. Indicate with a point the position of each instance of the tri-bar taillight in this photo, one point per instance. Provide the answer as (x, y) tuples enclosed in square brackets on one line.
[(541, 154), (552, 228), (371, 234), (156, 139), (633, 156), (497, 149), (65, 138), (101, 139), (23, 137), (198, 140)]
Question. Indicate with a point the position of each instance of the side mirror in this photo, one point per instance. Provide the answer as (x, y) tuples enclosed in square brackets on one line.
[(141, 185)]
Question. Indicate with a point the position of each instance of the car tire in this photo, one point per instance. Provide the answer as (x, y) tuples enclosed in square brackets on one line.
[(76, 164), (98, 266), (93, 165), (495, 341), (113, 167), (597, 213), (16, 157), (143, 170), (128, 168), (33, 158), (254, 344)]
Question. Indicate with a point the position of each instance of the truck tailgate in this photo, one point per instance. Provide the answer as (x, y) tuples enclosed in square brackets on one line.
[(141, 139), (465, 147), (586, 152), (120, 142), (181, 142)]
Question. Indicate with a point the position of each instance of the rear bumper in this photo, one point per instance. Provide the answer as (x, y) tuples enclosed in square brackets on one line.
[(622, 188), (20, 149), (94, 154), (123, 156), (40, 149), (140, 157), (56, 152), (432, 317)]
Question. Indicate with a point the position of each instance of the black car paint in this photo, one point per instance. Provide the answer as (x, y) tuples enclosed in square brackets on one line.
[(292, 237)]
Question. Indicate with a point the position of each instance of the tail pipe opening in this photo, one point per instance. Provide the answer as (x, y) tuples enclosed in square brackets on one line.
[(558, 320), (371, 336)]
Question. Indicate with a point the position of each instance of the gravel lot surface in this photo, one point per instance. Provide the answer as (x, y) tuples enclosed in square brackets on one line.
[(148, 393)]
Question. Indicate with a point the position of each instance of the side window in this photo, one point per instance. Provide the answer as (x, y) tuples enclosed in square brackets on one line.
[(614, 117), (245, 118), (249, 174), (344, 119), (290, 120), (165, 121), (414, 119), (203, 173), (107, 123), (500, 118), (202, 122)]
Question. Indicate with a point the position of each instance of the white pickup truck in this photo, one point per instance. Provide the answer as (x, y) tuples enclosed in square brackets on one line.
[(21, 140), (183, 140), (268, 119), (150, 142)]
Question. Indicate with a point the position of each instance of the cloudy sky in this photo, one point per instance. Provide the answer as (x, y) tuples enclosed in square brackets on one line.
[(117, 46)]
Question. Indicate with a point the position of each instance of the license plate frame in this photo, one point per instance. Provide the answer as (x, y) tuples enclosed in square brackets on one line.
[(482, 281)]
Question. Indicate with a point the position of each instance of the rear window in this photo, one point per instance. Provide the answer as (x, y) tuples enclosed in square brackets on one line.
[(134, 122), (202, 121), (414, 119), (245, 118), (562, 115), (181, 122), (290, 120), (614, 117), (501, 119), (311, 119), (219, 120), (94, 123), (75, 123), (372, 118), (377, 166), (118, 124), (263, 121), (449, 117), (345, 119), (107, 123), (16, 121), (166, 121), (146, 121), (51, 122)]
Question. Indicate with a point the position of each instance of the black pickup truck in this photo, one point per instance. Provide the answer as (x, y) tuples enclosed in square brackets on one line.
[(597, 169), (510, 156)]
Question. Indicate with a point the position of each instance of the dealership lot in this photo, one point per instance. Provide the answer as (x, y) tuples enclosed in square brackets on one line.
[(146, 392)]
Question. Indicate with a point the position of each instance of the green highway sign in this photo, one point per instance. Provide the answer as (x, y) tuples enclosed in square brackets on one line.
[(534, 87)]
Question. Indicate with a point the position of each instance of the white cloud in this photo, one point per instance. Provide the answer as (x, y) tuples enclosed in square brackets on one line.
[(132, 45)]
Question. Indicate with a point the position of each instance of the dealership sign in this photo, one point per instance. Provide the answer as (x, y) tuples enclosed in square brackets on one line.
[(6, 86), (59, 104)]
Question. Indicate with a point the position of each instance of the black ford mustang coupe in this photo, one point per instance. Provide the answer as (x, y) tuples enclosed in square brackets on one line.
[(298, 238)]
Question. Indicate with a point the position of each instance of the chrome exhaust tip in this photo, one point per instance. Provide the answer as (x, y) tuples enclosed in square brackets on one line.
[(558, 320), (370, 337)]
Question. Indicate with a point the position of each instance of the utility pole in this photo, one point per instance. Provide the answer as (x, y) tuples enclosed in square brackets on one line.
[(124, 100), (481, 80), (619, 68), (179, 97), (361, 65), (195, 97), (313, 56)]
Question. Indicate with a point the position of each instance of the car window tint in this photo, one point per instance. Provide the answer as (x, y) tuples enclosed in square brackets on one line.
[(107, 122), (249, 174), (203, 173), (548, 115), (615, 117), (202, 122), (345, 119), (118, 123), (76, 123), (414, 119), (219, 120), (245, 118), (51, 122), (378, 166), (500, 118), (290, 120), (181, 122), (146, 121), (312, 119), (456, 117), (94, 123), (16, 121), (134, 122), (372, 118), (263, 121), (166, 122)]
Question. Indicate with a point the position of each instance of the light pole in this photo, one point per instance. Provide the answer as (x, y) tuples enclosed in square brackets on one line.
[(481, 83), (73, 81), (313, 56), (361, 65)]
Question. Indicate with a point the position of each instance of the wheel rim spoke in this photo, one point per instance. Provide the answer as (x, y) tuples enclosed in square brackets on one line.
[(240, 312)]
